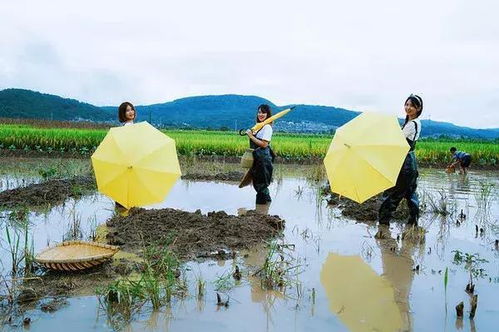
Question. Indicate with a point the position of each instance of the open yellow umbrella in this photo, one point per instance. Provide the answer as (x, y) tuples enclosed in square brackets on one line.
[(136, 165), (260, 125), (365, 156), (361, 299)]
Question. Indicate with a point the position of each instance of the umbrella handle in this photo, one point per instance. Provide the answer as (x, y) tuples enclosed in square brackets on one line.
[(242, 132)]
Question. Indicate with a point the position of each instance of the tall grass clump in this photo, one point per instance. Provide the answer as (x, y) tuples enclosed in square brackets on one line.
[(19, 246), (155, 285), (439, 204), (278, 269), (485, 195)]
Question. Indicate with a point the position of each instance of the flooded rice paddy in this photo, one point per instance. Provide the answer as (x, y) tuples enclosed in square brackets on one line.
[(416, 282)]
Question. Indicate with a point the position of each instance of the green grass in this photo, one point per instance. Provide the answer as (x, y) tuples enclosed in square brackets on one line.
[(222, 143)]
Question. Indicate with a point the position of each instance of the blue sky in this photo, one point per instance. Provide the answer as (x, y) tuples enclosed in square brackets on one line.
[(361, 55)]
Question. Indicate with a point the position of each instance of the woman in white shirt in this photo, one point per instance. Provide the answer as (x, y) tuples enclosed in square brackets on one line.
[(263, 156), (407, 179), (126, 113)]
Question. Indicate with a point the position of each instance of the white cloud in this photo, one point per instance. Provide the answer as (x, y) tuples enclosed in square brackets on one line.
[(363, 55)]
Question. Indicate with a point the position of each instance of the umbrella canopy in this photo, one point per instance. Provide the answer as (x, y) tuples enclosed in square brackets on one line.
[(260, 125), (361, 299), (136, 165), (365, 156)]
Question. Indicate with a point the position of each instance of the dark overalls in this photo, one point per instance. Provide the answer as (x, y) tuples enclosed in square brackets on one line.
[(404, 188), (261, 172), (464, 158)]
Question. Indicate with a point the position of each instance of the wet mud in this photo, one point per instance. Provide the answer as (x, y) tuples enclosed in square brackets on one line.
[(50, 192), (227, 176), (365, 212), (192, 234)]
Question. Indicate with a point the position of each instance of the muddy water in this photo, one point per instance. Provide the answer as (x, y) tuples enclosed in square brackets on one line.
[(317, 232)]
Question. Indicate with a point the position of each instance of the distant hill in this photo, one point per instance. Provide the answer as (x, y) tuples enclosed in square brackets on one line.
[(235, 111), (227, 112), (18, 103)]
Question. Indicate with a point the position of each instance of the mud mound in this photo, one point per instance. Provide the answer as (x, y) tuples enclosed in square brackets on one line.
[(367, 211), (194, 234), (47, 193), (229, 176)]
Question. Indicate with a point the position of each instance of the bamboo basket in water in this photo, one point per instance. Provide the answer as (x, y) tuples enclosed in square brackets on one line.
[(75, 255)]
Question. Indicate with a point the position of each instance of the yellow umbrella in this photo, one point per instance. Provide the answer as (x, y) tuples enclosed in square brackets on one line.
[(259, 125), (136, 165), (361, 299), (365, 156)]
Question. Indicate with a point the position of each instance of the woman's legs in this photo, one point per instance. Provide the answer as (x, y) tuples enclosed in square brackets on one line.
[(263, 196), (404, 188), (391, 199), (413, 200), (262, 175)]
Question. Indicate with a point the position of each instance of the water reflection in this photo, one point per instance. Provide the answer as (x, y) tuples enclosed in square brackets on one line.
[(398, 266), (362, 300), (296, 201)]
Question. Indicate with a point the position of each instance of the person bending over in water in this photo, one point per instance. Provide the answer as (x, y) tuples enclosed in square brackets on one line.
[(460, 158)]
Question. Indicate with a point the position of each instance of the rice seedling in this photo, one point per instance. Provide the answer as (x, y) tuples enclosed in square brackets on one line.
[(200, 287), (20, 247), (485, 195), (92, 221), (156, 284), (316, 174), (439, 204), (74, 230), (161, 260), (161, 263), (13, 240), (152, 289), (299, 191), (224, 282), (276, 271), (473, 265), (121, 300)]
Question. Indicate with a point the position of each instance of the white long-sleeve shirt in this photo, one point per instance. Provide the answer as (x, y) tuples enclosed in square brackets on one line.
[(412, 129)]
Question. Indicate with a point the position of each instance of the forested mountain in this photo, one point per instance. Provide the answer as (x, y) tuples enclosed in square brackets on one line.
[(19, 103), (227, 112)]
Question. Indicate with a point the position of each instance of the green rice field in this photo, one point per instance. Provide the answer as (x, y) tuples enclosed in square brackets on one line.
[(296, 147)]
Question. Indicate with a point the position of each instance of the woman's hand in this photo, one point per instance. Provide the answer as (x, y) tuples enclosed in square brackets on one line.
[(249, 132)]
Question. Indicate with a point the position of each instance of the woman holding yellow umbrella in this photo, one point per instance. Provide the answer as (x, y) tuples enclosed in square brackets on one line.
[(263, 156), (407, 179)]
